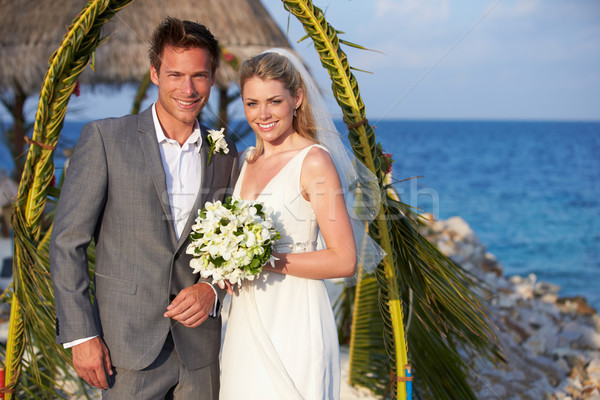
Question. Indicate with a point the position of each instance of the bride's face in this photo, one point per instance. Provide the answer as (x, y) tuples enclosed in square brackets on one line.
[(269, 109)]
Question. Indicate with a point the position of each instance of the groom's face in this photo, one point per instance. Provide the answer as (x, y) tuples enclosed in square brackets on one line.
[(184, 82)]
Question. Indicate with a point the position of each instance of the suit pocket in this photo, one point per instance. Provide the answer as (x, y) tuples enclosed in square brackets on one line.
[(104, 282)]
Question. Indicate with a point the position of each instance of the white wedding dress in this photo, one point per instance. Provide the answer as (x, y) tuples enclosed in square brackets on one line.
[(281, 337)]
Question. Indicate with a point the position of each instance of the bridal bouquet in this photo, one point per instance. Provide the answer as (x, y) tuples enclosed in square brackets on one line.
[(232, 240)]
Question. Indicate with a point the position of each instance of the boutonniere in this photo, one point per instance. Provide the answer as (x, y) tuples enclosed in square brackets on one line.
[(217, 142)]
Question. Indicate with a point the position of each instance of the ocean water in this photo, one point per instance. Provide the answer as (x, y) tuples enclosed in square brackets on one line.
[(529, 190)]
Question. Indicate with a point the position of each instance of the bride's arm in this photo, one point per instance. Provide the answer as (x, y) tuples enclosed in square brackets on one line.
[(321, 185)]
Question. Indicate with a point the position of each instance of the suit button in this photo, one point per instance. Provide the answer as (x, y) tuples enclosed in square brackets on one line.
[(172, 297)]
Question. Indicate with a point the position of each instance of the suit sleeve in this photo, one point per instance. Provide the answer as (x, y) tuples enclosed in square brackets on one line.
[(76, 220)]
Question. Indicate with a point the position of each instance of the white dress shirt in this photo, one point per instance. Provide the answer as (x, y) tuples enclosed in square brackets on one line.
[(182, 165)]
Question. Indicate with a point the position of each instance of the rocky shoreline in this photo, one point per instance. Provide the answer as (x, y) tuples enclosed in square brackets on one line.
[(551, 344)]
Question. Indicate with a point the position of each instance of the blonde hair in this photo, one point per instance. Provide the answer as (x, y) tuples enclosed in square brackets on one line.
[(272, 66)]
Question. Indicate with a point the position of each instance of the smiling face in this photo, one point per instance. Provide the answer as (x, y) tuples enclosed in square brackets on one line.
[(184, 82), (269, 109)]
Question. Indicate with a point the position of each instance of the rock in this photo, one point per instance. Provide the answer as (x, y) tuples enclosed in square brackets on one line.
[(542, 288), (516, 328), (572, 356), (549, 298), (588, 337), (579, 303), (594, 364), (459, 229), (590, 391), (490, 264), (593, 378), (542, 342), (524, 290)]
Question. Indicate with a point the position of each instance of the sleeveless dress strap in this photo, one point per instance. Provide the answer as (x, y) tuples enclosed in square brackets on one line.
[(242, 157)]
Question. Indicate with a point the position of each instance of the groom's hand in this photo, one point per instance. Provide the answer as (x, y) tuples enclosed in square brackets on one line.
[(192, 306), (92, 362)]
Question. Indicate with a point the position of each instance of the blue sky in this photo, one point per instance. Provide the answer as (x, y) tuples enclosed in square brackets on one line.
[(442, 59)]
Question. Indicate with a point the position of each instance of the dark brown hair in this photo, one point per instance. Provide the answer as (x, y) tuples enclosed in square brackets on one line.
[(173, 32)]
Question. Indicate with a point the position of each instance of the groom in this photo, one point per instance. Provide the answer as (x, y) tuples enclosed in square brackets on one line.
[(134, 185)]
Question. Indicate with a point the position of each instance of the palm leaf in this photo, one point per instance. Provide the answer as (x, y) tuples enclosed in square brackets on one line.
[(31, 332), (141, 93), (446, 313), (367, 351)]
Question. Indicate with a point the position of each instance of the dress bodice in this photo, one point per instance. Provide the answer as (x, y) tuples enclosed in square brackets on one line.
[(292, 214)]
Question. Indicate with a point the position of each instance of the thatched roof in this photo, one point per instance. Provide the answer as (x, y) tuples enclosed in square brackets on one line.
[(30, 31)]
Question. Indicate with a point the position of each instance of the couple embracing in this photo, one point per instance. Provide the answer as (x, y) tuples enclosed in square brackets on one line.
[(134, 185)]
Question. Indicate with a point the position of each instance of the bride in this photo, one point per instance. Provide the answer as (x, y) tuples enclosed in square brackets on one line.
[(281, 338)]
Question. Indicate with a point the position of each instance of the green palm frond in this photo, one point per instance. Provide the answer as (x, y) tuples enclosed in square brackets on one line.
[(446, 313), (367, 351), (141, 93), (31, 330)]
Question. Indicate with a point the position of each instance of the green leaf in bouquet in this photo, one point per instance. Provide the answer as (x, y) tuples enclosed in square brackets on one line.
[(218, 261), (196, 235), (254, 264)]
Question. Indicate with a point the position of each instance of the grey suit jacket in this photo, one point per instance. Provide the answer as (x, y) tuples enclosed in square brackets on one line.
[(115, 192)]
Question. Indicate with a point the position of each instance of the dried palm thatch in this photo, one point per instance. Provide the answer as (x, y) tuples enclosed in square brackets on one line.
[(30, 30)]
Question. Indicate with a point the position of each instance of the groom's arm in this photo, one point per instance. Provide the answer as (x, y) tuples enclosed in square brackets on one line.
[(79, 208)]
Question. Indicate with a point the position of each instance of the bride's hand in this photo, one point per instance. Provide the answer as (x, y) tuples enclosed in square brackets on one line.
[(228, 285)]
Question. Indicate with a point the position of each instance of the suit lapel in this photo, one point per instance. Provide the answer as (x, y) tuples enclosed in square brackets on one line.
[(149, 145), (207, 174)]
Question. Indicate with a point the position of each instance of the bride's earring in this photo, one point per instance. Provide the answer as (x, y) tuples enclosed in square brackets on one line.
[(295, 114)]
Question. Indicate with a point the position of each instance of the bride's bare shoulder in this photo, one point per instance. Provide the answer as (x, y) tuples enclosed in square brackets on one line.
[(318, 155), (317, 162)]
